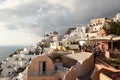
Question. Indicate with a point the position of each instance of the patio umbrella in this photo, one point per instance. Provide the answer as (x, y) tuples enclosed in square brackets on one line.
[(109, 38), (105, 38)]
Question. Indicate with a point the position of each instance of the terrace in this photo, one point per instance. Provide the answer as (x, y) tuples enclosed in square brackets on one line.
[(49, 73), (48, 67), (107, 68), (113, 61), (42, 73)]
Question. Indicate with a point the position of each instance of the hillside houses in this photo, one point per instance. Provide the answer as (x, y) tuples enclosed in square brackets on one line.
[(75, 55)]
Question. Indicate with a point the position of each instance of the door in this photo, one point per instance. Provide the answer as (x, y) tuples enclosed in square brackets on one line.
[(43, 67)]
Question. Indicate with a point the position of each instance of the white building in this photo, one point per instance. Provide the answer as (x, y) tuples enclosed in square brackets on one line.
[(56, 41), (91, 35), (64, 38), (97, 28), (69, 40), (79, 31), (28, 49), (94, 30), (7, 71), (117, 17)]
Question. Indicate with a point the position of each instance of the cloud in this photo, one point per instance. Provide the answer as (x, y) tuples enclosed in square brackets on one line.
[(44, 16), (10, 37), (12, 28)]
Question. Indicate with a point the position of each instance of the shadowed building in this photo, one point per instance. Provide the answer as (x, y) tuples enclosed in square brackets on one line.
[(43, 68)]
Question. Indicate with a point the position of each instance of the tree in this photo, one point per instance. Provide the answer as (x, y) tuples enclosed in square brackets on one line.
[(114, 28)]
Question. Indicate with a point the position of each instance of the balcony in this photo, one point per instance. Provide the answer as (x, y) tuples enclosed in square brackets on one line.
[(63, 69), (42, 73), (48, 73)]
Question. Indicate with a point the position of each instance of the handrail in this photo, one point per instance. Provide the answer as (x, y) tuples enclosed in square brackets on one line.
[(41, 73), (63, 69), (97, 59), (48, 73)]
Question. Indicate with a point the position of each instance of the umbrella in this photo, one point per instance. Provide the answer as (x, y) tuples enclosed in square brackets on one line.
[(115, 38), (110, 38)]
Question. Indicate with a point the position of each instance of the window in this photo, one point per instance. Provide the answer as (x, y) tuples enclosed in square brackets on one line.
[(87, 35), (42, 67)]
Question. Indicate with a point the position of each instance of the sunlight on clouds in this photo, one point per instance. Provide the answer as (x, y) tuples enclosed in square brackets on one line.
[(13, 3), (66, 3), (2, 26), (21, 21), (14, 37)]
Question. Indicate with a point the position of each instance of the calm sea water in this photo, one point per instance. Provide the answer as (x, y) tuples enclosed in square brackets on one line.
[(5, 51)]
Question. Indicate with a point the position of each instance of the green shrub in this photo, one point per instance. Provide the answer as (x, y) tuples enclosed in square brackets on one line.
[(116, 61)]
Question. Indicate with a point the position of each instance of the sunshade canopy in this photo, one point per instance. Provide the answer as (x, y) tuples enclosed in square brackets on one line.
[(110, 37)]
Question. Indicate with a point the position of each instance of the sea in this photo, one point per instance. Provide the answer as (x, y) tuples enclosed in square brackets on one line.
[(5, 51)]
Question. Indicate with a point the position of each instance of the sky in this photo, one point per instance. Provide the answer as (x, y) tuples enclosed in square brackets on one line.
[(24, 22)]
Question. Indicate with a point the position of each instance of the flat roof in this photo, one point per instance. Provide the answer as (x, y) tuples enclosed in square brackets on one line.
[(79, 56)]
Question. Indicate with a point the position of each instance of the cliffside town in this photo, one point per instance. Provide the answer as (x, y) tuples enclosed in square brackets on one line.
[(89, 52)]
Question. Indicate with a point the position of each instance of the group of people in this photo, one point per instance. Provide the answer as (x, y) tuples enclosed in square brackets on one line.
[(82, 48), (87, 47)]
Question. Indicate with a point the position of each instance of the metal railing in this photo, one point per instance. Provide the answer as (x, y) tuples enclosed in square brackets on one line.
[(63, 69), (42, 73), (48, 73)]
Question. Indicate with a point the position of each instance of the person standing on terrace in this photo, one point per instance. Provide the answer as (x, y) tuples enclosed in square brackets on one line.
[(79, 48)]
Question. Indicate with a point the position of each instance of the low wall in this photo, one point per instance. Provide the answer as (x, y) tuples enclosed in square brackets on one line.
[(68, 62), (87, 65), (104, 77), (71, 74), (43, 78)]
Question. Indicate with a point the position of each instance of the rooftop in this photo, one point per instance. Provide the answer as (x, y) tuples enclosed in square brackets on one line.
[(80, 56)]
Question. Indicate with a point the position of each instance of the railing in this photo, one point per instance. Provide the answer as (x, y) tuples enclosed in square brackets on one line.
[(63, 69), (101, 61), (48, 73), (42, 73)]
